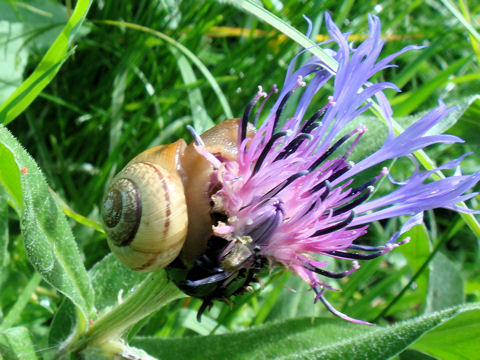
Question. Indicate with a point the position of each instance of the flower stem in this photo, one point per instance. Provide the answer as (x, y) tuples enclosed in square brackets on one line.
[(151, 295)]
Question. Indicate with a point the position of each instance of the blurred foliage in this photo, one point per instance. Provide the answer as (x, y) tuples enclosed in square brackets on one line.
[(124, 88)]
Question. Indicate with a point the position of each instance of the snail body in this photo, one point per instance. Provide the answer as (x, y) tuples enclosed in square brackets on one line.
[(159, 203)]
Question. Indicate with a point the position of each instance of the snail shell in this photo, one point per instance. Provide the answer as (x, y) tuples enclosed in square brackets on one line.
[(144, 211), (161, 199)]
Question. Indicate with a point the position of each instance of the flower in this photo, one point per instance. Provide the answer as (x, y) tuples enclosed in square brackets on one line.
[(289, 196)]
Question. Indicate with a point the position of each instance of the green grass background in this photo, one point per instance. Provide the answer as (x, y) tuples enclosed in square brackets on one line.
[(139, 71)]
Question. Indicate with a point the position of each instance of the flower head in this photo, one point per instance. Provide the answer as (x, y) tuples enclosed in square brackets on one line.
[(289, 196)]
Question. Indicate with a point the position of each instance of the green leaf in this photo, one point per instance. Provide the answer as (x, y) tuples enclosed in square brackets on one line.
[(414, 98), (417, 252), (65, 323), (15, 312), (455, 339), (464, 112), (190, 55), (42, 21), (13, 57), (446, 285), (10, 179), (467, 125), (47, 69), (15, 344), (256, 10), (304, 338), (47, 237), (112, 281), (4, 256), (201, 120)]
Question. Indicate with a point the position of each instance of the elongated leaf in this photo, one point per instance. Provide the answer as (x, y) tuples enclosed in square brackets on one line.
[(4, 257), (256, 10), (454, 340), (446, 286), (47, 237), (305, 338), (13, 57), (10, 179), (190, 55), (14, 313), (412, 99), (47, 69), (201, 120), (468, 112), (16, 344)]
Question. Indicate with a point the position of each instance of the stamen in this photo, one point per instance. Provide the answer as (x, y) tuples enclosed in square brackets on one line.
[(332, 177), (196, 137), (283, 185), (260, 108), (267, 149), (328, 188), (337, 226), (248, 110), (338, 313), (263, 231), (370, 182), (358, 256), (311, 123), (280, 108), (354, 203), (293, 146), (361, 130), (329, 152), (330, 274), (335, 146), (366, 247)]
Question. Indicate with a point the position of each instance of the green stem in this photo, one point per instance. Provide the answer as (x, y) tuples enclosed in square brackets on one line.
[(153, 293)]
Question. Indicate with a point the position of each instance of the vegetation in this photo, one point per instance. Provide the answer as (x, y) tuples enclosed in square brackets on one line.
[(85, 86)]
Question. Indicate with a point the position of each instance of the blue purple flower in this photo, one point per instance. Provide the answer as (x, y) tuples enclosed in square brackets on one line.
[(289, 196)]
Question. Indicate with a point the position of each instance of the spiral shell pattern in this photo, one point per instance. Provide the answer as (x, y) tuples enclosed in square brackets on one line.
[(145, 216)]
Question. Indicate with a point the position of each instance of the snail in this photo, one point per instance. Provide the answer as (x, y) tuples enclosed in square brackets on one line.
[(158, 206)]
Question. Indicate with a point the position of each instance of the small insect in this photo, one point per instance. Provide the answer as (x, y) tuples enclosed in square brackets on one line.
[(158, 212)]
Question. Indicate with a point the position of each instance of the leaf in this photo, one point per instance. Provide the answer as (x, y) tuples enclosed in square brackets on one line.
[(13, 57), (64, 324), (467, 125), (13, 316), (414, 98), (465, 111), (190, 55), (201, 120), (416, 252), (42, 21), (112, 281), (454, 339), (46, 69), (16, 344), (4, 256), (10, 179), (446, 286), (256, 10), (48, 240), (304, 338)]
